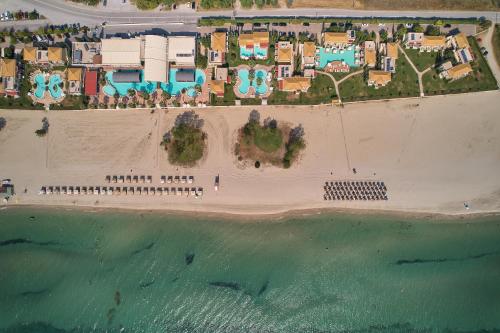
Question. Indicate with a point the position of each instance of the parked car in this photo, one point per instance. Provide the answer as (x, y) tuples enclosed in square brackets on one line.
[(305, 24), (408, 25), (381, 24), (364, 24), (275, 24), (174, 6), (485, 52), (193, 5)]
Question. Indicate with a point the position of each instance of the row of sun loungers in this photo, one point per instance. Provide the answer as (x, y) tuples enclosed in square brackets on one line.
[(355, 190), (177, 179), (149, 179), (118, 190), (129, 179)]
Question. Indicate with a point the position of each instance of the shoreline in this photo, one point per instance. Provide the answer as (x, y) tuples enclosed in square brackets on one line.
[(265, 217)]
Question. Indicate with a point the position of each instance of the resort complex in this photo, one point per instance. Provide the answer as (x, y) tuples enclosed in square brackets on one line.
[(245, 65)]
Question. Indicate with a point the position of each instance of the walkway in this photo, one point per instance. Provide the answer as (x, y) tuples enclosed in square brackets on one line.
[(336, 83), (419, 74)]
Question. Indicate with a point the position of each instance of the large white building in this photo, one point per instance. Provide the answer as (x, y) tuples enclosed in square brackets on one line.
[(155, 58), (121, 52), (182, 50)]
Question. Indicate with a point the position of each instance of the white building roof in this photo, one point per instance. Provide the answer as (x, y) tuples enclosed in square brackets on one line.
[(155, 58), (121, 52), (181, 49)]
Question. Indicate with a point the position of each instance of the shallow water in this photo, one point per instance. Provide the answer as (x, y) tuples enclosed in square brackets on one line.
[(94, 272)]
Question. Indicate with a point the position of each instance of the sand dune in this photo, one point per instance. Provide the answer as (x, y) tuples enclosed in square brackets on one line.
[(434, 154)]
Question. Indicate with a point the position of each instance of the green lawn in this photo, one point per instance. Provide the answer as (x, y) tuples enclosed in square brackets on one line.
[(481, 79), (421, 60), (267, 139), (322, 91), (339, 76), (404, 83)]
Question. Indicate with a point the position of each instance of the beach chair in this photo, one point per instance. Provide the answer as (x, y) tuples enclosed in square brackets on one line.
[(115, 179), (110, 191), (183, 180), (49, 190), (173, 191), (84, 190), (143, 179), (118, 191), (149, 179), (169, 179), (176, 180), (136, 179), (186, 191), (152, 191), (121, 179), (159, 191), (192, 192), (162, 179), (179, 191), (166, 191), (190, 179), (42, 191), (70, 190), (199, 192), (131, 190), (138, 190), (145, 191), (108, 179), (129, 178)]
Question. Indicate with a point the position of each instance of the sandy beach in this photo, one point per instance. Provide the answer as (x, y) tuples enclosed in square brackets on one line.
[(433, 154)]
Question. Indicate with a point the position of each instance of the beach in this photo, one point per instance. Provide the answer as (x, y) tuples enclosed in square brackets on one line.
[(434, 154)]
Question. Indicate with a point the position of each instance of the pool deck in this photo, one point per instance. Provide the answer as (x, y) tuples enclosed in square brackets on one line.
[(251, 89), (47, 99)]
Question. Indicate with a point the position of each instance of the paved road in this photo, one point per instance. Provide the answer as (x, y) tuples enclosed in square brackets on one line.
[(59, 11), (490, 57)]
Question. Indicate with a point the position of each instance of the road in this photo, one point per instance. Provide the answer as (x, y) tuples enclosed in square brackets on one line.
[(59, 11)]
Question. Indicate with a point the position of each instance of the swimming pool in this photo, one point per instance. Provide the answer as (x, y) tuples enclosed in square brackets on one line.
[(54, 81), (174, 88), (256, 51), (348, 56), (245, 82), (122, 88)]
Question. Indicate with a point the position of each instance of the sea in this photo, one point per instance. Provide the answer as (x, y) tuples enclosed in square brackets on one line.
[(131, 271)]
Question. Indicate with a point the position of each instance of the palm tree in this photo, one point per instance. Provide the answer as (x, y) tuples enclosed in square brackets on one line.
[(259, 81), (251, 75), (131, 92)]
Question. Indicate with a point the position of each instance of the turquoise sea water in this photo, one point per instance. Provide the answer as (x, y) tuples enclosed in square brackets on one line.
[(71, 271)]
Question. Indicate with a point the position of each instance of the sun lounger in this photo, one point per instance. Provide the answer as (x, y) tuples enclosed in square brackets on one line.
[(173, 191), (166, 191), (179, 191), (152, 191), (183, 180), (70, 190), (190, 179), (136, 179), (42, 191), (162, 179), (108, 179), (115, 179), (121, 179), (129, 178), (138, 190), (159, 191), (176, 180), (110, 191), (143, 179), (149, 179), (199, 192), (169, 179)]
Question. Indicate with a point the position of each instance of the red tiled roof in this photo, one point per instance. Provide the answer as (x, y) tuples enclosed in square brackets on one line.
[(90, 83)]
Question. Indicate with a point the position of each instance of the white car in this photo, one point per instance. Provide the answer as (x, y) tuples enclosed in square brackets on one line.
[(381, 24), (408, 25)]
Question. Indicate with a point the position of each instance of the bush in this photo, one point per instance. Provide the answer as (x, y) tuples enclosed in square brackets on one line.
[(3, 123), (186, 141)]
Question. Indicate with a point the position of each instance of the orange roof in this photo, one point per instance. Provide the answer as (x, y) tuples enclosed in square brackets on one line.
[(370, 57), (74, 74), (434, 41), (309, 49), (29, 53), (461, 40), (295, 83), (217, 86), (380, 78), (459, 71), (335, 38), (258, 37), (218, 41), (392, 50), (285, 54), (55, 54), (7, 67)]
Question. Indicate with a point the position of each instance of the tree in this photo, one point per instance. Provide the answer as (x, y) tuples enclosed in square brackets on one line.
[(254, 116), (417, 28), (259, 81), (246, 3), (383, 35), (400, 32), (251, 75), (260, 3), (45, 128), (432, 30), (131, 92)]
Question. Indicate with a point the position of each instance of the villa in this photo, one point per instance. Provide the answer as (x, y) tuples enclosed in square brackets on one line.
[(86, 54), (433, 43), (462, 48), (370, 53), (284, 59), (53, 55), (8, 80), (254, 44), (455, 72), (389, 52), (339, 39), (378, 78), (218, 48), (308, 54), (337, 66), (217, 87), (295, 84), (74, 78), (413, 40)]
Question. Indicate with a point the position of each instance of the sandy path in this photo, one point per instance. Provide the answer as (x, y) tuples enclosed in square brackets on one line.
[(434, 154)]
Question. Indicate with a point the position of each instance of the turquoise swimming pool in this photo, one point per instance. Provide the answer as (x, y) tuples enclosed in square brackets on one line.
[(245, 82), (256, 51), (174, 88), (122, 88), (54, 81), (348, 56)]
